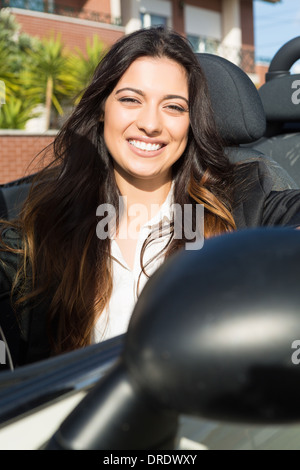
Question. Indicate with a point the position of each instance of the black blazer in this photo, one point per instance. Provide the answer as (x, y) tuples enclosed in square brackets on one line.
[(255, 204)]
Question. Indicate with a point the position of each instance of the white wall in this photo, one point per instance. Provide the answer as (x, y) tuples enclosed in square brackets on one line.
[(130, 12), (156, 7), (203, 22), (115, 8), (131, 9), (232, 33)]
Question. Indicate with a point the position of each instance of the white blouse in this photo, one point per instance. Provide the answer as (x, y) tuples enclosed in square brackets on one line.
[(127, 283)]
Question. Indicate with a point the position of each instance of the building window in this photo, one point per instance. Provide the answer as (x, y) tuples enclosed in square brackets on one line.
[(204, 44), (36, 5), (149, 20), (51, 8)]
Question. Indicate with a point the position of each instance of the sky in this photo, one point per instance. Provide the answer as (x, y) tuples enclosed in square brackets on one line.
[(274, 25)]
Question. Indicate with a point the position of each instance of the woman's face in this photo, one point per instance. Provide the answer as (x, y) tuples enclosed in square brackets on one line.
[(146, 120)]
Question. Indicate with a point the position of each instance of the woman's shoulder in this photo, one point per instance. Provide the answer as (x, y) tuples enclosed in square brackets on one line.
[(263, 197), (10, 236), (10, 255), (266, 173)]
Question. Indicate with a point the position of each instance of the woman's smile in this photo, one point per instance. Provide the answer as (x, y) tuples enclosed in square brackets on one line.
[(146, 148)]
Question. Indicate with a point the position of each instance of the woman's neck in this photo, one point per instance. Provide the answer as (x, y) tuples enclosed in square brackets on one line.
[(146, 195)]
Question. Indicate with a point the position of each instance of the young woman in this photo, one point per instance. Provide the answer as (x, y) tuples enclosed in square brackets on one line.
[(142, 138)]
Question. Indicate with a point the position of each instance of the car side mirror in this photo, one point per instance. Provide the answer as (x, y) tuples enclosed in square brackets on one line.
[(212, 335)]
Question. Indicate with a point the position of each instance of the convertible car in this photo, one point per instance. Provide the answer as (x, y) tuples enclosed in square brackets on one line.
[(211, 359)]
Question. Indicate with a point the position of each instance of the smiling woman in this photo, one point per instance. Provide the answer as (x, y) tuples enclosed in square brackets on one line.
[(146, 132), (142, 141)]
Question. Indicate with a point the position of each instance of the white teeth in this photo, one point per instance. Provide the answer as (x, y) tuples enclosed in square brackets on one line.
[(143, 146)]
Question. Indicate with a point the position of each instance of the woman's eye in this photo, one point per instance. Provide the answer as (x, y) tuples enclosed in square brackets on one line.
[(176, 108), (128, 100)]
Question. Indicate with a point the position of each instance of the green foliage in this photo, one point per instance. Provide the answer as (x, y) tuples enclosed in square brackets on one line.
[(9, 26), (38, 71), (82, 65), (45, 74), (17, 107), (6, 71), (16, 43), (15, 113)]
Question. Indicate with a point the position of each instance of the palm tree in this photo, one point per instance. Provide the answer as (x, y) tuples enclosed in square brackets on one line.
[(15, 107), (81, 66), (14, 43), (34, 71), (16, 112), (9, 26), (9, 81), (46, 77)]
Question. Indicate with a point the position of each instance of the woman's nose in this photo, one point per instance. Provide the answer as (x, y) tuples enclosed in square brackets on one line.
[(149, 120)]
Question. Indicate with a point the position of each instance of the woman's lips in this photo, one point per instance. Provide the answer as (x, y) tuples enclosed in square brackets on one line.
[(144, 145), (145, 149)]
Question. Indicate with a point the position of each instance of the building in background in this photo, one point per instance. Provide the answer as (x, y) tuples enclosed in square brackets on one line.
[(75, 20), (223, 27)]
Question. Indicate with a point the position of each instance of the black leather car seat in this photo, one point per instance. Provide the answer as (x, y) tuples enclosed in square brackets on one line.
[(280, 97), (240, 115)]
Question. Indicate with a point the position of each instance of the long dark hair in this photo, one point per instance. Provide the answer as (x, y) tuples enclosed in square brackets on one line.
[(63, 258)]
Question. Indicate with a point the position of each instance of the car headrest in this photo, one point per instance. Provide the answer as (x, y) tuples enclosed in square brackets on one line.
[(238, 109), (280, 94)]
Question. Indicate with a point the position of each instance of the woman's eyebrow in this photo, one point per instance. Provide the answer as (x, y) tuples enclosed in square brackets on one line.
[(135, 90), (140, 92), (171, 97)]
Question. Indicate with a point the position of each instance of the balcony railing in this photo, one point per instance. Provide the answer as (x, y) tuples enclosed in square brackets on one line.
[(243, 57), (57, 8)]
